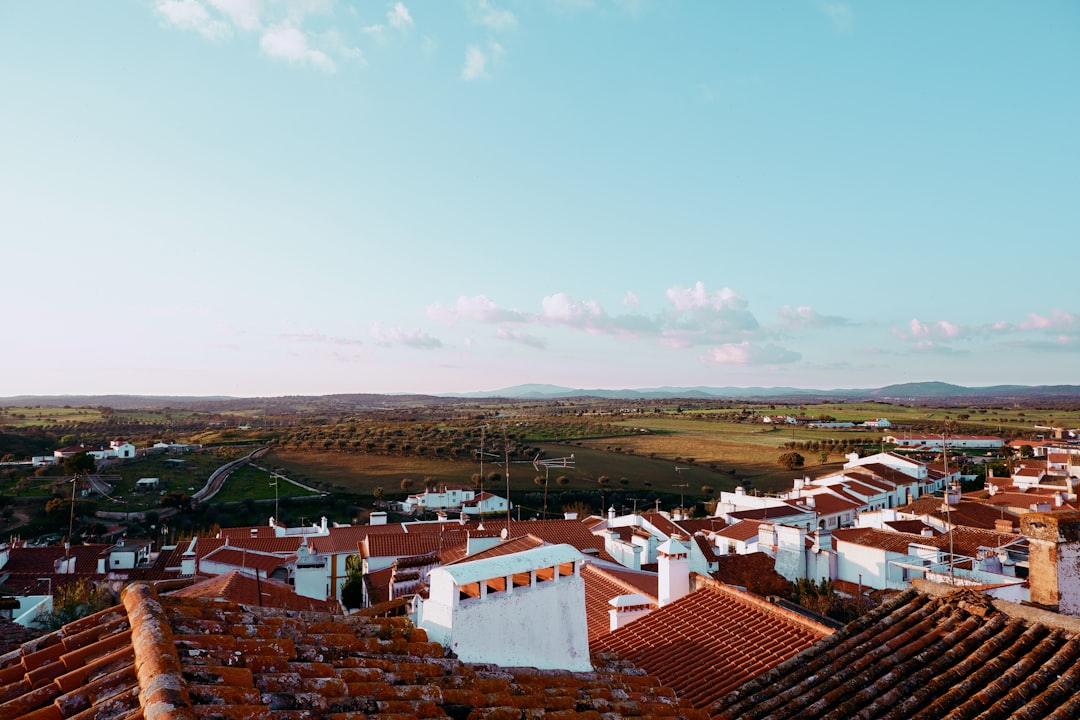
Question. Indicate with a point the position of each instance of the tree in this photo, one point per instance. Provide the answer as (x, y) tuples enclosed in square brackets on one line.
[(75, 600), (79, 464), (352, 591), (791, 460), (378, 493), (824, 457), (406, 483)]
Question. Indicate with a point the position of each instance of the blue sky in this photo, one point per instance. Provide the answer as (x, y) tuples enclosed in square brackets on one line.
[(270, 197)]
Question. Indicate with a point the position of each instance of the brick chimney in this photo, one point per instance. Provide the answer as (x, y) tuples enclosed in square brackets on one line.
[(1054, 559)]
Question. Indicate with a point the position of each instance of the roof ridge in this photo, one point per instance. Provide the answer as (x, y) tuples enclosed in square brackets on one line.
[(624, 584), (163, 693)]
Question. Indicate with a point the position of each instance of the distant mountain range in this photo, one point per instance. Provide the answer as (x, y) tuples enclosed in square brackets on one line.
[(904, 393)]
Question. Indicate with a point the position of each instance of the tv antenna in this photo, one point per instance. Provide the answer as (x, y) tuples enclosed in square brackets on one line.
[(547, 464)]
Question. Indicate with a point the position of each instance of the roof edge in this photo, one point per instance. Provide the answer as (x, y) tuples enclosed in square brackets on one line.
[(163, 693)]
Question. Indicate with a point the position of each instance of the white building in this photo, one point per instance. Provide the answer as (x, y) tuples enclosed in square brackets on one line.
[(484, 504), (522, 609), (443, 498), (936, 442)]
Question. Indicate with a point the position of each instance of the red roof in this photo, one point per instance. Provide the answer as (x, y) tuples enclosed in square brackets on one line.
[(742, 531), (245, 559), (239, 587), (712, 641), (180, 658), (603, 584)]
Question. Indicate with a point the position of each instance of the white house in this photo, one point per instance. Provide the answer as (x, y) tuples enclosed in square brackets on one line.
[(443, 498), (877, 423), (936, 442), (485, 503)]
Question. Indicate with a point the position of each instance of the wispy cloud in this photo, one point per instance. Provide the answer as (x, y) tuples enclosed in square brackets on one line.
[(398, 17), (478, 61), (291, 44), (319, 339), (839, 14), (391, 336), (517, 336), (804, 316), (478, 308), (193, 15), (281, 27), (489, 15), (747, 353)]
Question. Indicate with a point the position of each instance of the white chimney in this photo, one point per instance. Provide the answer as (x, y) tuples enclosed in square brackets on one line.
[(810, 502), (441, 516), (674, 576), (611, 513), (322, 524), (568, 515), (627, 608), (377, 518)]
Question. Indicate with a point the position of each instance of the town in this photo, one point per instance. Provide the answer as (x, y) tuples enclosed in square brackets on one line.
[(895, 563)]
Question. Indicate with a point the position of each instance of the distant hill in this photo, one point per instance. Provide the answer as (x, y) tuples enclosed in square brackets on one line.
[(904, 393)]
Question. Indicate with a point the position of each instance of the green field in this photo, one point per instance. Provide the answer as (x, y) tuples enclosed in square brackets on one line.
[(249, 482)]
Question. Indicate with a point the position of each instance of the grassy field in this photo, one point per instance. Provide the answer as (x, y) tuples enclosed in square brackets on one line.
[(21, 417), (252, 483)]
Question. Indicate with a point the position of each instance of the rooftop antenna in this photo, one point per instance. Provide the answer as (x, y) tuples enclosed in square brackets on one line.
[(506, 459), (682, 489)]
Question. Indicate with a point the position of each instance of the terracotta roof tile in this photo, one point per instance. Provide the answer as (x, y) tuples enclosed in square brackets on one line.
[(742, 531), (602, 584), (711, 641), (178, 657), (243, 588), (955, 655)]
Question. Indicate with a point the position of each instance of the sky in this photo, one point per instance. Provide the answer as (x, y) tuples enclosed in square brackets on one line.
[(282, 197)]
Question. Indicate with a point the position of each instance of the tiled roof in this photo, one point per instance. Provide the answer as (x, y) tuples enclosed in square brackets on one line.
[(828, 504), (340, 540), (41, 560), (408, 544), (664, 524), (557, 532), (743, 530), (769, 513), (513, 545), (239, 587), (962, 540), (602, 584), (917, 656), (244, 559), (915, 527), (754, 571), (969, 513), (708, 524), (181, 658), (708, 550), (711, 641)]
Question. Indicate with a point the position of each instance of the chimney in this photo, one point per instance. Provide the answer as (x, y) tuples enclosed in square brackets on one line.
[(952, 495), (822, 541), (611, 513), (322, 524), (1054, 559), (1004, 526), (441, 516), (377, 518), (627, 608), (810, 502), (569, 515), (674, 575), (927, 532)]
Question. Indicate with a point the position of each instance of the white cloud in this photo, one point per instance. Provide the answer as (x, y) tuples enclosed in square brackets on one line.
[(245, 14), (291, 44), (630, 299), (487, 14), (475, 64), (192, 15), (398, 16), (805, 316), (389, 336), (478, 308), (747, 353)]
